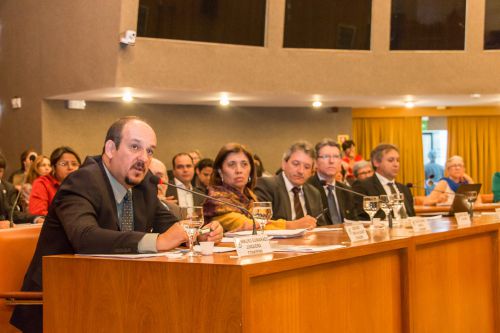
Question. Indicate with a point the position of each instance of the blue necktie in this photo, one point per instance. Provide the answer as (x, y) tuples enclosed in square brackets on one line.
[(332, 206)]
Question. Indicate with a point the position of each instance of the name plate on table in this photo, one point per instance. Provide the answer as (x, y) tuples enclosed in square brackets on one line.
[(419, 224), (497, 210), (463, 219), (251, 245), (356, 232)]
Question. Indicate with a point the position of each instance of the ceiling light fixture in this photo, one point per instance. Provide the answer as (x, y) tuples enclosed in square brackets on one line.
[(317, 104), (224, 100), (409, 104), (127, 97)]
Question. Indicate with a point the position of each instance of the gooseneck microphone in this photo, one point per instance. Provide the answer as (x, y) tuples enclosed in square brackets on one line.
[(411, 185), (157, 181), (323, 183)]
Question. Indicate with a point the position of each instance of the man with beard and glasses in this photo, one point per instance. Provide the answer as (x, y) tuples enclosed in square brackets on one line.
[(109, 206)]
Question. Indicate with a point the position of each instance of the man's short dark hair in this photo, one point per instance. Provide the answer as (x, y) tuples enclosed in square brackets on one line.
[(115, 130), (379, 152), (326, 142), (180, 154), (204, 163), (347, 144), (302, 145)]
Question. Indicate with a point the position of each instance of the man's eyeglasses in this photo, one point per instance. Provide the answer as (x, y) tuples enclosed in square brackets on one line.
[(66, 164), (327, 157)]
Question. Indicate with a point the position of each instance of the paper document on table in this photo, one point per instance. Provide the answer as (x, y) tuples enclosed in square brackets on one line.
[(327, 229), (217, 249), (281, 233), (170, 255), (306, 248)]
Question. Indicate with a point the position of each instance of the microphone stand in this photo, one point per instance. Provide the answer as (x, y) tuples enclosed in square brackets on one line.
[(243, 209)]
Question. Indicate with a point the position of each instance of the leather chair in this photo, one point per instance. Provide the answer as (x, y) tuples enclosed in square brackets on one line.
[(17, 246)]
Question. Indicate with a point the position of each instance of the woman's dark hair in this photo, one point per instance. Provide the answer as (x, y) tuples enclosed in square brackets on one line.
[(227, 149), (59, 152), (347, 144)]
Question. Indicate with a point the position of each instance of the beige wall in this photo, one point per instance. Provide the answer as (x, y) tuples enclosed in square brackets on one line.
[(266, 131)]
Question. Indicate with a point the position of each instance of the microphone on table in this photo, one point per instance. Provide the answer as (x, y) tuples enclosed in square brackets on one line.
[(411, 185), (323, 183), (11, 220), (157, 181)]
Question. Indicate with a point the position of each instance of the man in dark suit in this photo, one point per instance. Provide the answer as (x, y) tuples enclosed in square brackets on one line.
[(183, 172), (291, 197), (109, 205), (338, 201), (8, 194), (385, 159)]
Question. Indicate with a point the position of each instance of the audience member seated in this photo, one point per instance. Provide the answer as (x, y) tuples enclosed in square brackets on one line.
[(350, 157), (204, 170), (362, 170), (17, 177), (183, 171), (338, 201), (433, 171), (233, 181), (195, 156), (261, 171), (385, 159), (159, 169), (445, 189), (40, 167), (8, 194), (64, 161), (291, 197)]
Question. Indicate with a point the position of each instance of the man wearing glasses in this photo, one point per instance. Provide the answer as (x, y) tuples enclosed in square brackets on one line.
[(333, 194)]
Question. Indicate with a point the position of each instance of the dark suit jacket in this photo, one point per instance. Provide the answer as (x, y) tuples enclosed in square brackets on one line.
[(83, 218), (372, 186), (8, 194), (344, 198), (197, 199), (273, 189)]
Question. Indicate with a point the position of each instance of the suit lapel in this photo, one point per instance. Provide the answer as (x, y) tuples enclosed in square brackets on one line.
[(282, 192)]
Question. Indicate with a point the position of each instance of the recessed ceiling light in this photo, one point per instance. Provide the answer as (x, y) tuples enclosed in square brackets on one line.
[(317, 104), (224, 100), (475, 95), (127, 97), (409, 104)]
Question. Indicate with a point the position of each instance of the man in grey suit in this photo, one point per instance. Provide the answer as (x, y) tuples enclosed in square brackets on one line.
[(292, 198), (183, 171), (334, 194)]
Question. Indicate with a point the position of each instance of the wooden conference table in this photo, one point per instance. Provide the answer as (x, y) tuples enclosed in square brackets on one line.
[(445, 280), (433, 210)]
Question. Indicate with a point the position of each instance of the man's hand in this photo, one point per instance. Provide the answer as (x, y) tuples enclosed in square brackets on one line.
[(215, 235), (171, 238), (306, 222), (39, 219)]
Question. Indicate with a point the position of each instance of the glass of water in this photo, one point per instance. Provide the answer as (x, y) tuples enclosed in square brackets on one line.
[(262, 213), (191, 221), (371, 205)]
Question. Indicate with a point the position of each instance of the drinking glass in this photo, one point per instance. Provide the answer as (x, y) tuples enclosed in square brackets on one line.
[(471, 197), (386, 204), (262, 212), (191, 221), (398, 200), (371, 206)]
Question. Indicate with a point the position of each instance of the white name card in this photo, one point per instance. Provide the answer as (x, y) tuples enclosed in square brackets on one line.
[(356, 232), (497, 210), (420, 224), (463, 219), (251, 245)]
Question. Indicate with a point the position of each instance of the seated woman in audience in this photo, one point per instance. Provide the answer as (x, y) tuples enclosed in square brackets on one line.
[(232, 181), (446, 187), (64, 161), (40, 167)]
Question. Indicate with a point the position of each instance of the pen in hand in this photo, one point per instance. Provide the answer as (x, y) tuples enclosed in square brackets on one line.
[(322, 213)]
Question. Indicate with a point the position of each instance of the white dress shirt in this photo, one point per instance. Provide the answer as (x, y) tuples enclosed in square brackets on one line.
[(185, 198), (384, 181)]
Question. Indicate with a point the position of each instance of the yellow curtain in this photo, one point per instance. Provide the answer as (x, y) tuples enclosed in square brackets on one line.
[(405, 133), (476, 139)]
